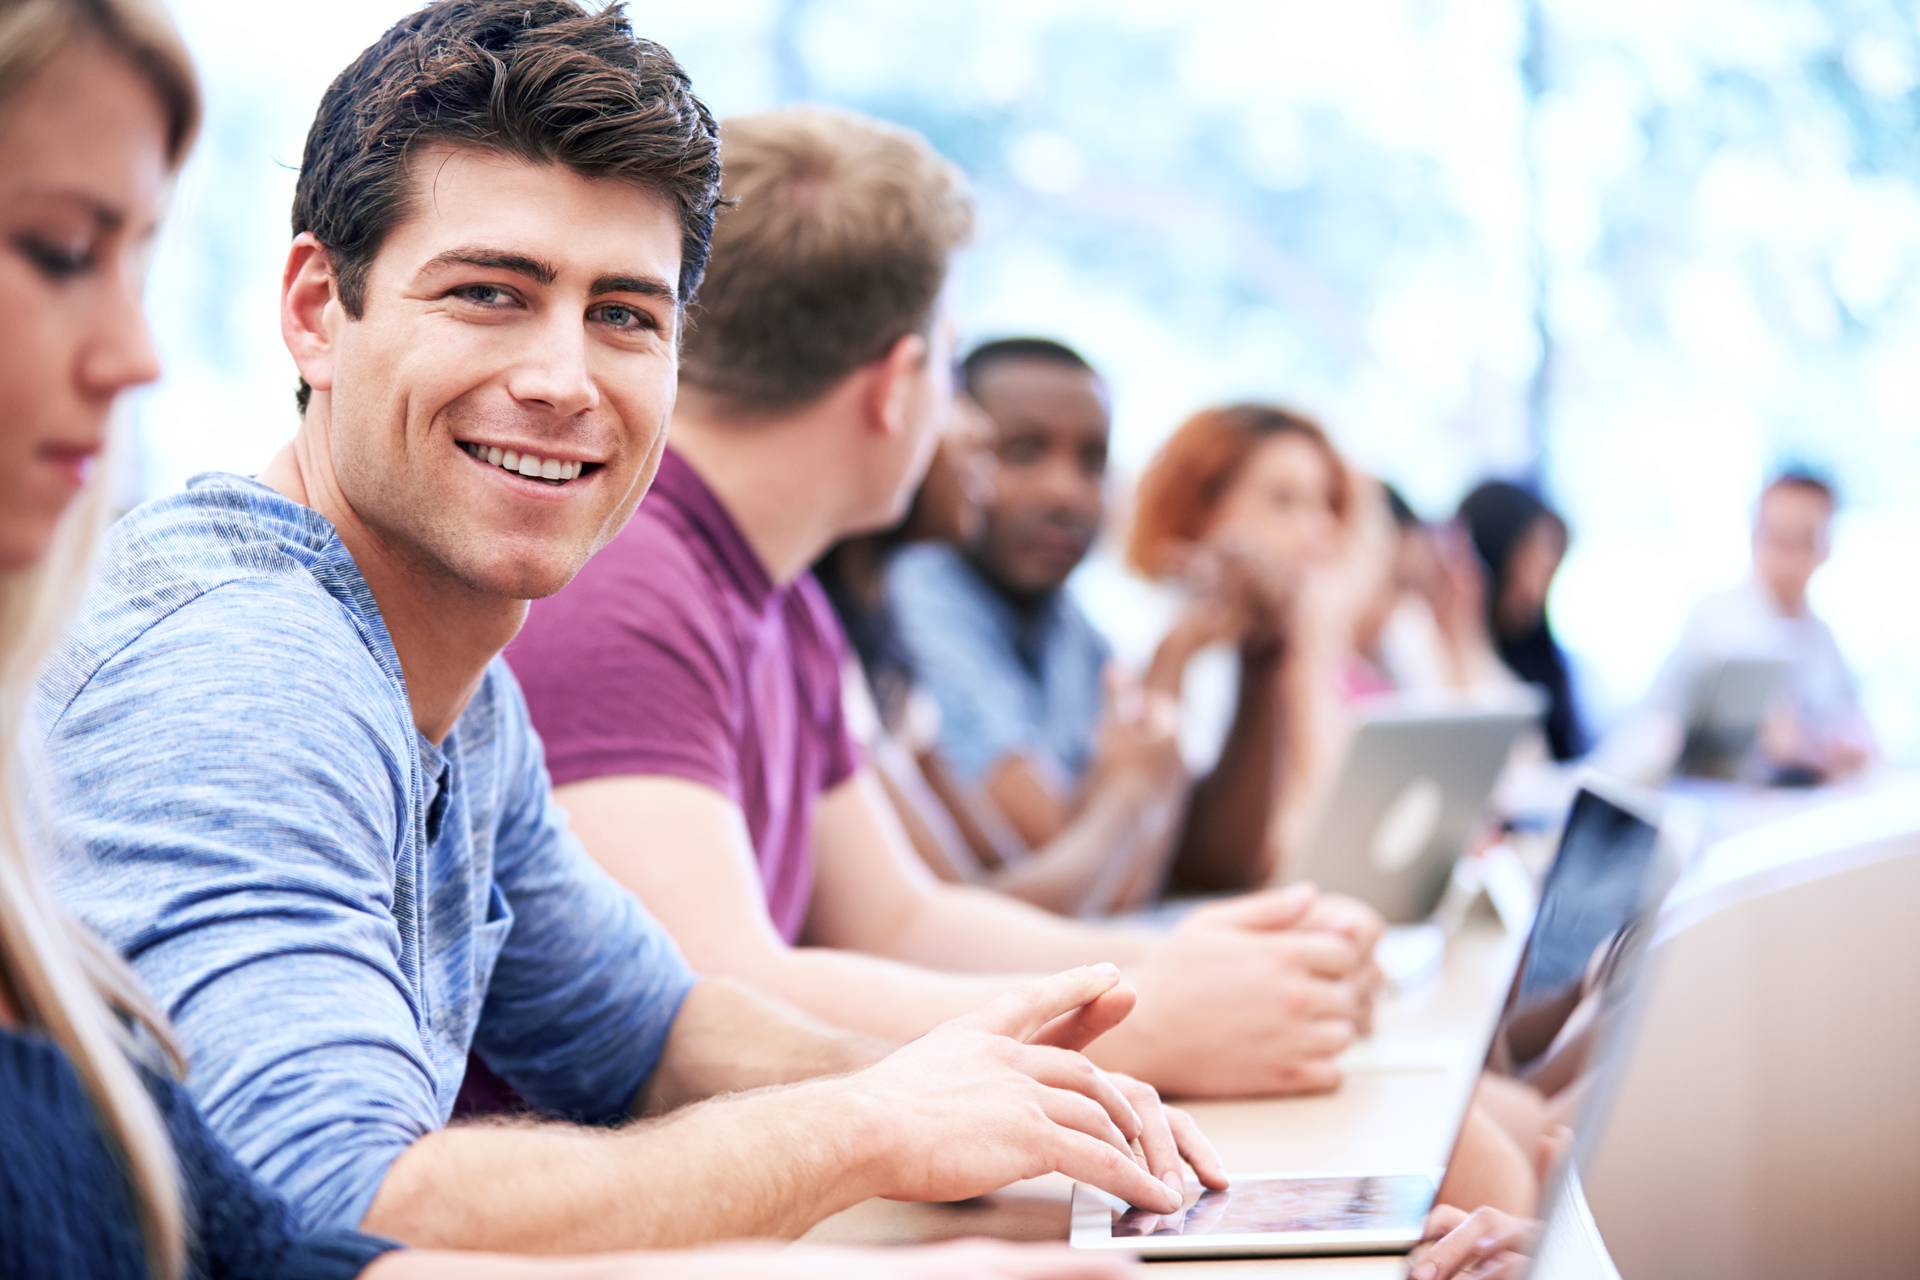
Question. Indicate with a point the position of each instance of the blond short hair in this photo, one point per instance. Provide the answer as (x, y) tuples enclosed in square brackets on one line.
[(836, 246)]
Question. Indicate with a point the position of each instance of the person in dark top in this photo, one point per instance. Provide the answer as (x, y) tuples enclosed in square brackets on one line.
[(107, 1168), (1521, 541)]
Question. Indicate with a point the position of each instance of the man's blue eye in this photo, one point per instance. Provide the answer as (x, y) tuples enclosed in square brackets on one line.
[(624, 317)]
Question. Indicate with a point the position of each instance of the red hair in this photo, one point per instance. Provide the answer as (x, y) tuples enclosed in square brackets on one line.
[(1182, 487)]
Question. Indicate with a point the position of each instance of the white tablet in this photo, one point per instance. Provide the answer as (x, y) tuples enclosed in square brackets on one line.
[(1267, 1215)]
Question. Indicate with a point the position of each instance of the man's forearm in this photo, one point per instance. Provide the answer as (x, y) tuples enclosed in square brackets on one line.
[(767, 1164), (956, 948), (879, 999), (968, 929), (729, 1038)]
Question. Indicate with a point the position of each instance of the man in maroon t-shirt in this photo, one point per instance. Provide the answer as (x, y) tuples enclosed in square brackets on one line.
[(688, 683), (678, 655)]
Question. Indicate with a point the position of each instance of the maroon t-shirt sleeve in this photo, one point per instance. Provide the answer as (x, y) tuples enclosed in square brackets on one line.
[(628, 672)]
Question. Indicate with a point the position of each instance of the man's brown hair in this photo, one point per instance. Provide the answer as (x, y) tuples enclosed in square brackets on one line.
[(836, 246), (546, 81)]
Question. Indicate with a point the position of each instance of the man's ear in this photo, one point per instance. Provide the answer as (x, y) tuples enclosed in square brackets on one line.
[(896, 380), (310, 310)]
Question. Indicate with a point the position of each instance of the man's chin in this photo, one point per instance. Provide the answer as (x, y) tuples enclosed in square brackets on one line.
[(1036, 580), (522, 579)]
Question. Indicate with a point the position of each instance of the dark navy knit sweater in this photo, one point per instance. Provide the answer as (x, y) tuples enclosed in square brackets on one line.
[(66, 1209)]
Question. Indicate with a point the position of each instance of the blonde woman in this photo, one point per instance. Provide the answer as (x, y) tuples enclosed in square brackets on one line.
[(106, 1169)]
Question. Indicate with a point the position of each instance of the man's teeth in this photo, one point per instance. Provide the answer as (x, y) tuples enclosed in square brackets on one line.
[(526, 464)]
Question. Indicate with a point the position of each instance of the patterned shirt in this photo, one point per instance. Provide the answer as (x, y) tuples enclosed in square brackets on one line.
[(1008, 681)]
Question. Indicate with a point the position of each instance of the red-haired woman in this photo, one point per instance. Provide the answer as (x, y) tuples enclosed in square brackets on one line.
[(1251, 505)]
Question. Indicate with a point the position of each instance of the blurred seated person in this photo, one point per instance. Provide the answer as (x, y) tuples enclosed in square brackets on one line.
[(1819, 731), (1112, 854), (1424, 627), (1250, 505), (1019, 672), (1521, 542)]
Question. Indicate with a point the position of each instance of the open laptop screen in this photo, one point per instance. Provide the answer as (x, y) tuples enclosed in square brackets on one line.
[(1533, 1072), (1594, 891), (1591, 908)]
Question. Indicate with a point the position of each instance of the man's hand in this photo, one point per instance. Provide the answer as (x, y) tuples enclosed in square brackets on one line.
[(1486, 1244), (1361, 925), (1245, 999), (994, 1098)]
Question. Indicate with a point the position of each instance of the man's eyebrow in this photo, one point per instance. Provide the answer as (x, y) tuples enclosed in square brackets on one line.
[(519, 264), (543, 272), (646, 286)]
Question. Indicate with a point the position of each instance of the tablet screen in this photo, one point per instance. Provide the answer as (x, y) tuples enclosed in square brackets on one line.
[(1280, 1205)]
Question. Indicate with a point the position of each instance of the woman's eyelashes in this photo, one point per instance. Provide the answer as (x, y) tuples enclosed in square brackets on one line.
[(57, 262)]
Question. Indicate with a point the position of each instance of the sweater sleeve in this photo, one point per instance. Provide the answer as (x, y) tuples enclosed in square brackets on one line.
[(232, 819), (240, 1229)]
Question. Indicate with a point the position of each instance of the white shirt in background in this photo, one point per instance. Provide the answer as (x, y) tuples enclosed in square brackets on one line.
[(1741, 622), (1745, 622)]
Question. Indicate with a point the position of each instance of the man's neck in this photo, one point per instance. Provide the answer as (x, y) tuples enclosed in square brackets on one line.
[(1794, 606), (779, 493), (443, 633), (1025, 603)]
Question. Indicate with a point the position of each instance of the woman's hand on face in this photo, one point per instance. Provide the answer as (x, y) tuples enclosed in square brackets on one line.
[(1457, 592), (1260, 595)]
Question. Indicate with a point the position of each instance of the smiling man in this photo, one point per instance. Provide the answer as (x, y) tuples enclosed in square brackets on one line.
[(306, 800)]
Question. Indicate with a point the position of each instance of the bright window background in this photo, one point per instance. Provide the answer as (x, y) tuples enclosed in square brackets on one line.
[(1644, 251)]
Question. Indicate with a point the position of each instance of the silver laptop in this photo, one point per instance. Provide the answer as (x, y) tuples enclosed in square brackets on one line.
[(1408, 796), (1726, 709), (1582, 948)]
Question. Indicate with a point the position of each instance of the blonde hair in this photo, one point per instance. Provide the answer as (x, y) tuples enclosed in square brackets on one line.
[(65, 980), (836, 246)]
